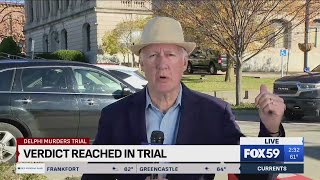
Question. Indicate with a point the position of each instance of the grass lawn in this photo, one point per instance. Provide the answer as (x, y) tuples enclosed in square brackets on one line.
[(216, 83)]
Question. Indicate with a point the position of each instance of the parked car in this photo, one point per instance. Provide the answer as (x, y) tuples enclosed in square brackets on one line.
[(130, 75), (301, 94), (40, 98), (207, 60)]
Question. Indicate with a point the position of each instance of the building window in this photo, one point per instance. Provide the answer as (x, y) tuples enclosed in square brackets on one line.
[(64, 39), (313, 36), (281, 38), (29, 44), (46, 8), (45, 43), (31, 11), (316, 32), (65, 5), (54, 41), (86, 43), (55, 8)]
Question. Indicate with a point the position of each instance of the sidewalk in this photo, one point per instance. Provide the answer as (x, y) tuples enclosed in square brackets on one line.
[(267, 74), (247, 96), (230, 96)]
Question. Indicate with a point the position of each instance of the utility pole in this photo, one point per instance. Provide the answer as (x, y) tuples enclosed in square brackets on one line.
[(132, 43), (306, 34)]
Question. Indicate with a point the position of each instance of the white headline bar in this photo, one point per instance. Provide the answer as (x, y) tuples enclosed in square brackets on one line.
[(144, 168), (129, 153)]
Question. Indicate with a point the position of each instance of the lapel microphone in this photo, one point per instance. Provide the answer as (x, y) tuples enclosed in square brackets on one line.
[(157, 138)]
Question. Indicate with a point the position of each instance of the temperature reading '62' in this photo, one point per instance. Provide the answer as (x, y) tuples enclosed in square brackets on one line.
[(128, 168)]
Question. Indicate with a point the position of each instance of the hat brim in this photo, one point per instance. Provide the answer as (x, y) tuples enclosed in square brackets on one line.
[(188, 46)]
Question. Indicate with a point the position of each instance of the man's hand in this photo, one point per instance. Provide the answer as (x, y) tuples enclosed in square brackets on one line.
[(271, 109)]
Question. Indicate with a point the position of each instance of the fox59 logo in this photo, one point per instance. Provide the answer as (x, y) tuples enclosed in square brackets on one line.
[(261, 153)]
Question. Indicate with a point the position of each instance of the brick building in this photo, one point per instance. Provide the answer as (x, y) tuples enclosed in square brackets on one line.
[(12, 20)]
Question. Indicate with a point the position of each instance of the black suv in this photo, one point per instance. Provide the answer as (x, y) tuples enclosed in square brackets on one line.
[(40, 98), (208, 60), (301, 93)]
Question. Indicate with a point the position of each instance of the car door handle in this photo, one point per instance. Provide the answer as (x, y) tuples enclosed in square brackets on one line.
[(24, 101), (90, 102)]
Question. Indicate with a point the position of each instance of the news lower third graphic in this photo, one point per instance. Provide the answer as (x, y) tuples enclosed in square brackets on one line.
[(161, 168), (272, 150), (72, 155)]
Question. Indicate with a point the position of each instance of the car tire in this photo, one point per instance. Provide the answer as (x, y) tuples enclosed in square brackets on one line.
[(212, 69), (8, 138), (292, 116), (189, 68)]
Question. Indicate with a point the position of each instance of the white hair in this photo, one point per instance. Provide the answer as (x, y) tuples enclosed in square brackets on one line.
[(185, 54)]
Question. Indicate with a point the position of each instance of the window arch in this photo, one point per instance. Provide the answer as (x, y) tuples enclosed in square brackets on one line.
[(64, 39), (86, 42)]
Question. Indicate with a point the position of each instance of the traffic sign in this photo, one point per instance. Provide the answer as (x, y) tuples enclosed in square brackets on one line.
[(283, 52)]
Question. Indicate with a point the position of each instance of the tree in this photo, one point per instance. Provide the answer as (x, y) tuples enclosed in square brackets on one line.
[(9, 46), (242, 28), (122, 37), (110, 43)]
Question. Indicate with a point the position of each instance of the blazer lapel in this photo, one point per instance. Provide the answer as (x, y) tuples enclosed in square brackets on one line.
[(188, 118), (137, 120)]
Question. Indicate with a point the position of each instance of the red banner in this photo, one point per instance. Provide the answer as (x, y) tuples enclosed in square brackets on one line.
[(53, 141)]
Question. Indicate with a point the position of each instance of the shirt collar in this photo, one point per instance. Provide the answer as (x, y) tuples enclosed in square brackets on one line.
[(149, 102)]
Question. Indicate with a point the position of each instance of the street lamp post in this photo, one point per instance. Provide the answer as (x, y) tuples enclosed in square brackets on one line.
[(306, 34)]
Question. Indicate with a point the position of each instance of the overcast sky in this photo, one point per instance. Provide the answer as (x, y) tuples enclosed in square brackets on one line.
[(13, 1)]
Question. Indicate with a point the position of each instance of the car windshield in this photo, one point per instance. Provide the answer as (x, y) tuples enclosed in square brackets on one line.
[(139, 75)]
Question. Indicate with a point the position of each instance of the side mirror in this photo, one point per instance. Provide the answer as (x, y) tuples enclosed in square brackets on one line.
[(127, 91)]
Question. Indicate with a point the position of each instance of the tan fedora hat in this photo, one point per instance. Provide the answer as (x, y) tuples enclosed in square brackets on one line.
[(162, 30)]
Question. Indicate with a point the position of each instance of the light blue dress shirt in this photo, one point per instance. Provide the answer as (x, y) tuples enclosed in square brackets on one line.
[(167, 122)]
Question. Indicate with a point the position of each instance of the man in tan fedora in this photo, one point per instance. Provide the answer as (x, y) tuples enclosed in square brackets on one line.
[(184, 116)]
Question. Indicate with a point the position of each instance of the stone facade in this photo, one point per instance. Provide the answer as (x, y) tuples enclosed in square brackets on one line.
[(77, 24), (270, 60), (81, 24), (12, 21)]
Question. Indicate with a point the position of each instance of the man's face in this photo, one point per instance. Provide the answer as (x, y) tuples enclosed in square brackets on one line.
[(163, 65)]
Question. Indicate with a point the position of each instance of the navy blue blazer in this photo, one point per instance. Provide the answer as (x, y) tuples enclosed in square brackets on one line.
[(205, 120)]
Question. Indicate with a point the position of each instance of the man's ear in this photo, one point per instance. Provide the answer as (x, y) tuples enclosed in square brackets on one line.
[(141, 65), (185, 63)]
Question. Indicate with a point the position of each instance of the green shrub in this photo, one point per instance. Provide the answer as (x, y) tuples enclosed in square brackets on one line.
[(69, 55), (9, 46), (46, 56), (244, 106)]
